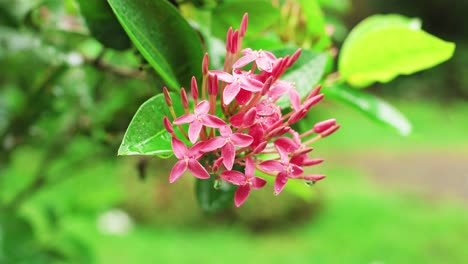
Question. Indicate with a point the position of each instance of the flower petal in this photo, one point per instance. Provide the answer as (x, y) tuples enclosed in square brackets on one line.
[(237, 120), (258, 183), (241, 195), (194, 130), (249, 167), (264, 64), (272, 166), (295, 99), (202, 107), (241, 140), (179, 168), (230, 92), (197, 169), (179, 148), (214, 143), (280, 182), (250, 84), (212, 121), (228, 152), (187, 118), (296, 171), (234, 177), (246, 59), (223, 76)]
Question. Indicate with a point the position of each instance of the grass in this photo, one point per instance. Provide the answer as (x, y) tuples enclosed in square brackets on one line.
[(360, 222)]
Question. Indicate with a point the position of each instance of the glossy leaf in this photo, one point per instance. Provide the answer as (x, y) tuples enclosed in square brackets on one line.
[(213, 200), (146, 134), (103, 24), (262, 14), (163, 37), (305, 73), (374, 107), (384, 46)]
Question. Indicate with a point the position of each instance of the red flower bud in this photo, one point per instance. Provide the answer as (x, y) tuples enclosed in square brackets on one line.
[(205, 64), (168, 125), (324, 125), (183, 96), (243, 25), (330, 131), (167, 96), (194, 89)]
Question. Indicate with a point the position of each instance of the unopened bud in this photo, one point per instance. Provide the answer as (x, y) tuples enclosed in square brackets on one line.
[(214, 85), (194, 89), (312, 162), (298, 115), (260, 147), (266, 85), (229, 40), (294, 58), (235, 42), (217, 164), (330, 131), (205, 64), (303, 151), (243, 25), (183, 96), (168, 125), (324, 125), (167, 96), (314, 92), (312, 101)]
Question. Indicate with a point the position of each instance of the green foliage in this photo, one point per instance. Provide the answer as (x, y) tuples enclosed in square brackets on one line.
[(373, 107), (229, 14), (103, 24), (146, 134), (211, 199), (168, 43), (384, 46), (305, 73)]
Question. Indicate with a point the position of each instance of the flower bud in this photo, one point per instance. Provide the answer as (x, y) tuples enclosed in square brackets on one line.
[(330, 131), (313, 101), (167, 96), (314, 92), (266, 85), (260, 147), (324, 125), (194, 89), (183, 96), (168, 125), (312, 162), (205, 63), (243, 25), (294, 58), (228, 40), (235, 42)]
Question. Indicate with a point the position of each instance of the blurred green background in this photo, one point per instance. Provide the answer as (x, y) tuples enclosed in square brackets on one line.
[(65, 197)]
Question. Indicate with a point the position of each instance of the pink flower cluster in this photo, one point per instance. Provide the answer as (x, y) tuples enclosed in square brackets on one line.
[(253, 132)]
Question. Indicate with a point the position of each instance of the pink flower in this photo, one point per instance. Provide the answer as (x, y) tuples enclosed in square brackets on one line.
[(228, 141), (285, 168), (263, 59), (279, 88), (199, 119), (188, 159), (239, 80), (246, 181)]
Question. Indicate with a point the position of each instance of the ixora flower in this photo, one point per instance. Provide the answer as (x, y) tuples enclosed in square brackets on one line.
[(244, 135)]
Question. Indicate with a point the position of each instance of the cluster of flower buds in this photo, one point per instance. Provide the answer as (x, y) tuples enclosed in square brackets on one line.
[(245, 130)]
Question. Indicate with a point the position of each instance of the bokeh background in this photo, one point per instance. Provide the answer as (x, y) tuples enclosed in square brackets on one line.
[(65, 196)]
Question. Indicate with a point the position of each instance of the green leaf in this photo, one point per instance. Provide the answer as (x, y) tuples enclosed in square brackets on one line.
[(262, 14), (305, 73), (146, 134), (213, 200), (163, 37), (374, 107), (384, 46), (103, 25)]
